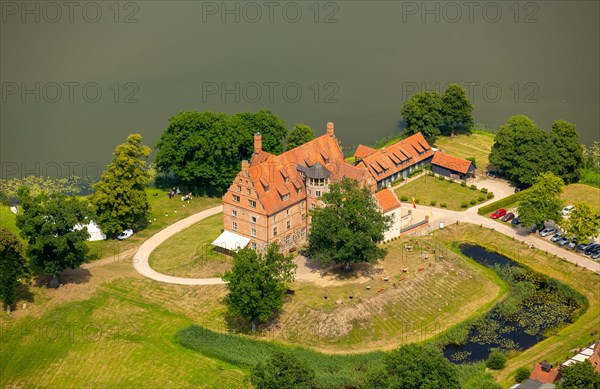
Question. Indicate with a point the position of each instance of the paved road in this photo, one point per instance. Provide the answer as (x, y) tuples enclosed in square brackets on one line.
[(140, 259)]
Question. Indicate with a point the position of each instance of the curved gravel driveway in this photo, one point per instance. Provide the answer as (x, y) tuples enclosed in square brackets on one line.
[(140, 259)]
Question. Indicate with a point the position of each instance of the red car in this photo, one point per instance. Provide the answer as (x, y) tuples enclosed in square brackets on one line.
[(499, 213)]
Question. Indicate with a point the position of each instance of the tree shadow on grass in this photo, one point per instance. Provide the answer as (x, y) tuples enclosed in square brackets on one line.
[(69, 276), (357, 270)]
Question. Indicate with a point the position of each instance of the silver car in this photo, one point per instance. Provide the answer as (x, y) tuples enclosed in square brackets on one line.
[(547, 231)]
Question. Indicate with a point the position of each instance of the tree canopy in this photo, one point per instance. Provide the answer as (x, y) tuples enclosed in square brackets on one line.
[(542, 201), (13, 266), (348, 228), (48, 225), (582, 222), (299, 135), (205, 149), (415, 366), (457, 109), (283, 370), (423, 112), (257, 284), (521, 150), (579, 375), (120, 200)]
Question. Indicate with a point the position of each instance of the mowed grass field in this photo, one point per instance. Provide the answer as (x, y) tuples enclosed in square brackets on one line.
[(582, 192), (429, 188), (564, 342), (477, 145), (190, 252)]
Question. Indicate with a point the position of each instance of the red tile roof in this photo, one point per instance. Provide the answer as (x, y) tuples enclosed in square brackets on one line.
[(387, 200), (545, 377), (395, 158), (451, 162), (363, 151), (274, 170)]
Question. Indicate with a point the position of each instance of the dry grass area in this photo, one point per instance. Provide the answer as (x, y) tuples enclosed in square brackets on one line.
[(582, 192)]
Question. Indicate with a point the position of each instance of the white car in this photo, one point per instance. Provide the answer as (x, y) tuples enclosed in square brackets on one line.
[(566, 211), (125, 234)]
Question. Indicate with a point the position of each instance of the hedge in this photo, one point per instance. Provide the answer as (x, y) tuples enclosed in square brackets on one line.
[(513, 198)]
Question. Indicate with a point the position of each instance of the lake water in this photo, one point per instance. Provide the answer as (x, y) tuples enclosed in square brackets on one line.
[(77, 77)]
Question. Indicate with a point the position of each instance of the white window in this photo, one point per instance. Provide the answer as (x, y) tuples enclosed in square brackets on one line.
[(312, 206), (252, 203), (286, 197), (253, 232), (233, 213), (275, 218), (253, 245), (274, 231), (253, 218), (234, 226), (288, 239), (318, 193), (303, 217), (239, 188), (287, 212), (249, 192), (303, 232), (236, 198), (303, 205), (299, 190), (288, 224)]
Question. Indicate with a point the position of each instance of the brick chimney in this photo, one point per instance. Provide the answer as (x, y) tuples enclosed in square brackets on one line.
[(257, 142), (383, 150), (330, 128)]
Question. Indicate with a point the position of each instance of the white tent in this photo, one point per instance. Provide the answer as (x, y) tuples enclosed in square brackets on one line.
[(231, 241), (95, 231)]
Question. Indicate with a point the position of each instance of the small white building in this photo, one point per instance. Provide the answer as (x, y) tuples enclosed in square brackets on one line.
[(94, 231), (390, 205)]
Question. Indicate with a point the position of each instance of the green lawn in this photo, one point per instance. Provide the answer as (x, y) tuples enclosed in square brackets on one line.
[(582, 192), (476, 145), (190, 253), (8, 219), (429, 188)]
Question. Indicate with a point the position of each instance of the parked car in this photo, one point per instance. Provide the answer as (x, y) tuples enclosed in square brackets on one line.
[(566, 211), (547, 231), (591, 248), (572, 244), (584, 246), (516, 221), (562, 241), (556, 237), (125, 234), (508, 217), (499, 213), (596, 254)]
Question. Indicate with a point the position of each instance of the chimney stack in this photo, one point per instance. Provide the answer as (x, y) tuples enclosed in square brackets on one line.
[(383, 150), (330, 128), (257, 142)]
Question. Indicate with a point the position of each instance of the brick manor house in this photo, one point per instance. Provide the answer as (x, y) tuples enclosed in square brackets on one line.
[(270, 199)]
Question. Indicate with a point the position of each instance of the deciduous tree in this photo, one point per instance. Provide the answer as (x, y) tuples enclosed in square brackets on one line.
[(423, 112), (579, 375), (270, 126), (283, 371), (542, 201), (48, 224), (415, 366), (568, 153), (120, 200), (299, 135), (257, 284), (582, 222), (348, 228), (13, 266), (457, 109)]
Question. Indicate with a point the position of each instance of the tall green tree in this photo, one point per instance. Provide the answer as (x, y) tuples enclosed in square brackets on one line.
[(299, 135), (48, 224), (257, 284), (202, 149), (349, 227), (119, 198), (13, 266), (579, 375), (542, 201), (271, 127), (582, 222), (415, 366), (457, 109), (521, 150), (283, 370), (568, 153), (423, 112)]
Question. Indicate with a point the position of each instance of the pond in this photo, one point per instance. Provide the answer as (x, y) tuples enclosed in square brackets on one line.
[(535, 304)]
